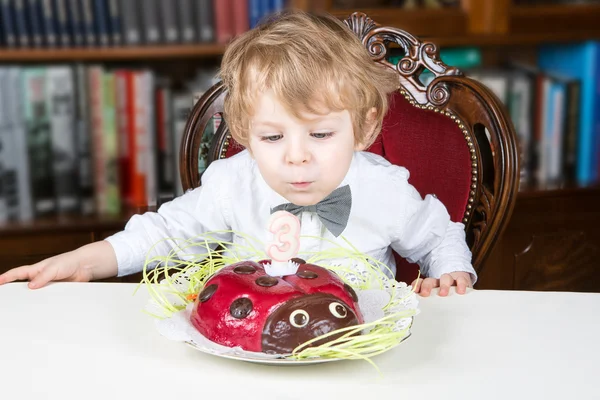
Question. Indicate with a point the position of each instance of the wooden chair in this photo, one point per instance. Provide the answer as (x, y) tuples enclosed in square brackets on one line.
[(453, 135)]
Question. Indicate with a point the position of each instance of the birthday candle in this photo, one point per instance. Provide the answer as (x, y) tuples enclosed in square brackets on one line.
[(285, 228)]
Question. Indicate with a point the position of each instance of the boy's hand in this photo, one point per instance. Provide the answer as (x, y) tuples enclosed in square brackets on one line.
[(462, 280), (92, 261)]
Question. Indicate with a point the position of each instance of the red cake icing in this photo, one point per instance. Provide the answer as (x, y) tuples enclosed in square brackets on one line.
[(241, 305)]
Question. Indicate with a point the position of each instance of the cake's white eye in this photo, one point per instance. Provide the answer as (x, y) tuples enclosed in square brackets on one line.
[(338, 310), (299, 318)]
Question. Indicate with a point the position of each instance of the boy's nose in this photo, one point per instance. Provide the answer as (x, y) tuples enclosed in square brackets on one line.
[(297, 153)]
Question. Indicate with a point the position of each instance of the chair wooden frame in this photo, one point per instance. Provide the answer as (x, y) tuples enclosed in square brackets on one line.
[(474, 108)]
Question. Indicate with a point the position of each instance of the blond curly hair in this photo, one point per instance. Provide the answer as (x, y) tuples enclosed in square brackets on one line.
[(312, 64)]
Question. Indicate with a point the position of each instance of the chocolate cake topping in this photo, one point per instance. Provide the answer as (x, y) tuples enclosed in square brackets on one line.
[(305, 318), (307, 274), (207, 292), (266, 281), (240, 308), (244, 270), (298, 260)]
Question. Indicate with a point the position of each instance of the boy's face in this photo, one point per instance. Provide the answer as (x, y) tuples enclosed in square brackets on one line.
[(302, 160)]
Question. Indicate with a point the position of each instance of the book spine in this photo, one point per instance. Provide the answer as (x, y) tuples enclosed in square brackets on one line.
[(100, 17), (49, 22), (223, 20), (114, 17), (168, 14), (123, 131), (150, 22), (113, 196), (33, 9), (61, 103), (96, 98), (37, 126), (8, 148), (8, 25), (76, 23), (187, 33), (16, 113), (131, 28), (62, 23), (151, 168), (137, 137), (84, 142), (166, 174), (87, 19), (241, 21), (204, 19), (21, 26)]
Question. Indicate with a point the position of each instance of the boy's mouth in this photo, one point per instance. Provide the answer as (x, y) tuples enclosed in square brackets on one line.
[(300, 185)]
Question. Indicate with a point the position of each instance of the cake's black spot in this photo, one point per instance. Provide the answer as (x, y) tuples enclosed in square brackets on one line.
[(266, 281), (351, 291), (244, 270), (207, 292), (298, 260), (307, 274), (240, 308)]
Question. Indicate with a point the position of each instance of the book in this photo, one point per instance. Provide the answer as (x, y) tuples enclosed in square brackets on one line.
[(39, 140), (581, 61), (61, 106)]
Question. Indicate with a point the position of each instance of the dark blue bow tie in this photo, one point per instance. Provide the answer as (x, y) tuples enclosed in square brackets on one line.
[(333, 210)]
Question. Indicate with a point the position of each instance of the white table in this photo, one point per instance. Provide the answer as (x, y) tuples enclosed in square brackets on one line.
[(92, 341)]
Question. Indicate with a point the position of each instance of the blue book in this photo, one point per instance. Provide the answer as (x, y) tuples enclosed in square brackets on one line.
[(580, 61), (101, 23), (33, 10), (8, 27), (276, 6), (21, 25), (114, 18), (63, 30), (49, 22), (87, 23), (255, 12)]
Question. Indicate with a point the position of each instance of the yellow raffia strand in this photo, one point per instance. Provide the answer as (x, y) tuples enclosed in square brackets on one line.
[(174, 282)]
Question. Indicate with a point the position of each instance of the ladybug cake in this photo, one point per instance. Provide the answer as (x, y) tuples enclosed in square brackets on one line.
[(242, 306)]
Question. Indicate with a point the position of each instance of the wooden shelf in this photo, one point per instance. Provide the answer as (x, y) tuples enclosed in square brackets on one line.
[(433, 23), (554, 20), (513, 39), (112, 53), (74, 223)]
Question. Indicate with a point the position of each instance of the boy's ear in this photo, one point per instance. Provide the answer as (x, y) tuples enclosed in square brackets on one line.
[(371, 123)]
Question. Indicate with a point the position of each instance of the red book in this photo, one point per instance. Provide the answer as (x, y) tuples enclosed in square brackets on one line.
[(223, 20)]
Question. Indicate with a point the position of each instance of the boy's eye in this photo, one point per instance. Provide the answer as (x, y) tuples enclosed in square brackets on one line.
[(321, 135), (271, 138)]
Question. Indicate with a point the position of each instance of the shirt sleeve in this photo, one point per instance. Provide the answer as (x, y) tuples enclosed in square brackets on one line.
[(198, 211), (423, 233)]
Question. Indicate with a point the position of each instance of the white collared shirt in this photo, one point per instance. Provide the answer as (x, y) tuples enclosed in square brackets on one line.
[(387, 213)]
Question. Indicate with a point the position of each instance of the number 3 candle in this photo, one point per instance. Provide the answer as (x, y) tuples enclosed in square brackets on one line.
[(285, 228)]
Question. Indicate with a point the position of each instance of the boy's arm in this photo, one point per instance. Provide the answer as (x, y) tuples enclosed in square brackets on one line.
[(426, 235), (90, 262), (157, 233)]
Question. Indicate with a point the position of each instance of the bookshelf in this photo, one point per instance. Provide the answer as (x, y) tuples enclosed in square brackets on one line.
[(109, 54), (498, 27)]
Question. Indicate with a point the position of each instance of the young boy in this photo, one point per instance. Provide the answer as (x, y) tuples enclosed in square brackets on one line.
[(305, 99)]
